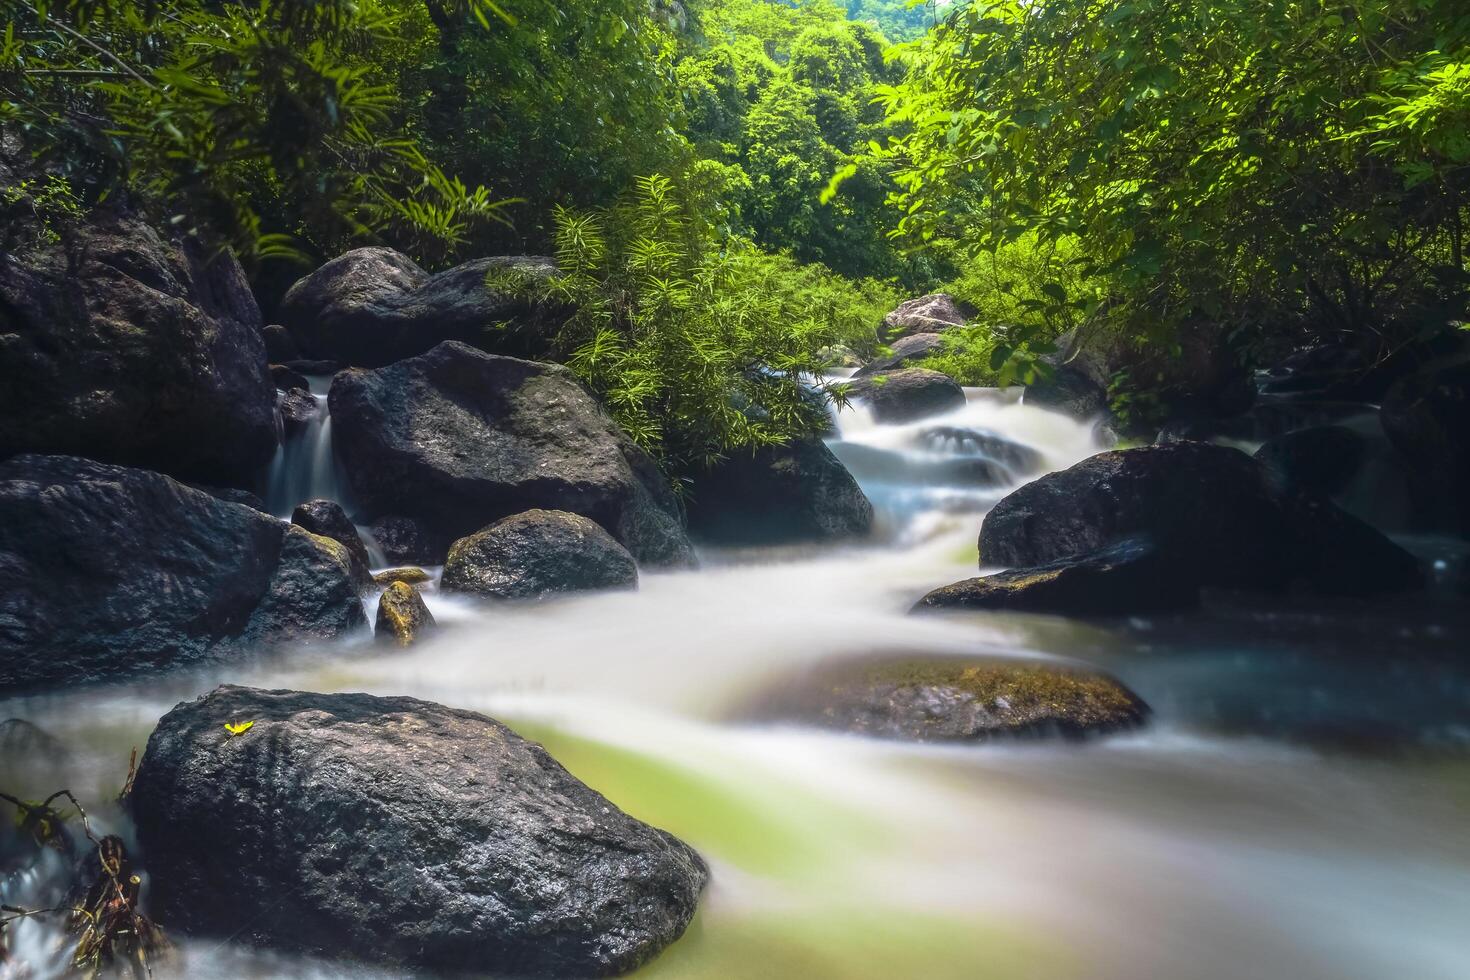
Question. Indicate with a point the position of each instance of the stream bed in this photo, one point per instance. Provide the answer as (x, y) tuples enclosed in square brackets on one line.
[(1299, 806)]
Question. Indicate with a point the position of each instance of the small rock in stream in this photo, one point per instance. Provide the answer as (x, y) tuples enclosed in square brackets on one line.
[(954, 699), (537, 553), (403, 619)]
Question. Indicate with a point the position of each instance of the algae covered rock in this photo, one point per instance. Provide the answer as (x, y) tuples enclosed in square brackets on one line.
[(403, 619), (538, 553), (409, 575), (955, 699), (328, 519), (400, 832)]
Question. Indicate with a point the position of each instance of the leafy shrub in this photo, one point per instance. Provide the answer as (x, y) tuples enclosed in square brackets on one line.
[(1026, 293), (699, 343)]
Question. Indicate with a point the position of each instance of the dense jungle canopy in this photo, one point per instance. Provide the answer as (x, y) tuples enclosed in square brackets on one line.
[(1146, 179)]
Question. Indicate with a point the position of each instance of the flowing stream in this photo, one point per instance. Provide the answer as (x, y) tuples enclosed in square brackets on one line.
[(1299, 807)]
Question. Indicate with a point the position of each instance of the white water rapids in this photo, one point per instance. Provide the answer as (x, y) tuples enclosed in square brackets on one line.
[(1210, 845)]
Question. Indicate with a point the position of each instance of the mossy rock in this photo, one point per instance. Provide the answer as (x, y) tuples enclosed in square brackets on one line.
[(403, 619), (956, 699), (409, 575)]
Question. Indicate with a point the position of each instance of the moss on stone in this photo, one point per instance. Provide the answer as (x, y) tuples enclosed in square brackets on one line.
[(409, 575)]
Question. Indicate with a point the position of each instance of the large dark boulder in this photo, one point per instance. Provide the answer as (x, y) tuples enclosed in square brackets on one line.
[(109, 570), (905, 352), (953, 699), (374, 306), (908, 394), (121, 345), (1427, 418), (458, 438), (537, 553), (1215, 516), (399, 832), (1122, 579), (934, 313), (777, 494), (328, 519)]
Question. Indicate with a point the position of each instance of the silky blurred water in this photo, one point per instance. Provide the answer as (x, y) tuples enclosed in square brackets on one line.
[(1246, 833)]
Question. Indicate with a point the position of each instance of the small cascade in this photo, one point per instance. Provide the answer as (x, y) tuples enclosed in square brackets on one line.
[(304, 467), (922, 477)]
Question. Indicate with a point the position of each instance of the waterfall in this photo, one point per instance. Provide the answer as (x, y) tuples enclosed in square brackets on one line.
[(944, 471), (304, 468)]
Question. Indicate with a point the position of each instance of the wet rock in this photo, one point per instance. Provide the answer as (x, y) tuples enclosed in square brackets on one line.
[(120, 345), (279, 347), (1323, 459), (298, 410), (233, 495), (373, 306), (285, 379), (327, 518), (907, 395), (934, 313), (777, 494), (108, 570), (399, 832), (404, 539), (409, 575), (965, 441), (1213, 514), (403, 619), (458, 438), (1122, 579), (538, 553), (905, 352), (955, 699), (1427, 418), (1070, 392)]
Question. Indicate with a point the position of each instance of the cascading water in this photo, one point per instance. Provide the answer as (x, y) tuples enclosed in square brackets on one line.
[(1211, 845), (305, 468)]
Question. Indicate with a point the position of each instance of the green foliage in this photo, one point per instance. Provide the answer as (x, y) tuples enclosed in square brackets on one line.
[(1280, 168), (899, 20), (1025, 294), (784, 91), (34, 211), (266, 121), (700, 344), (566, 104)]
